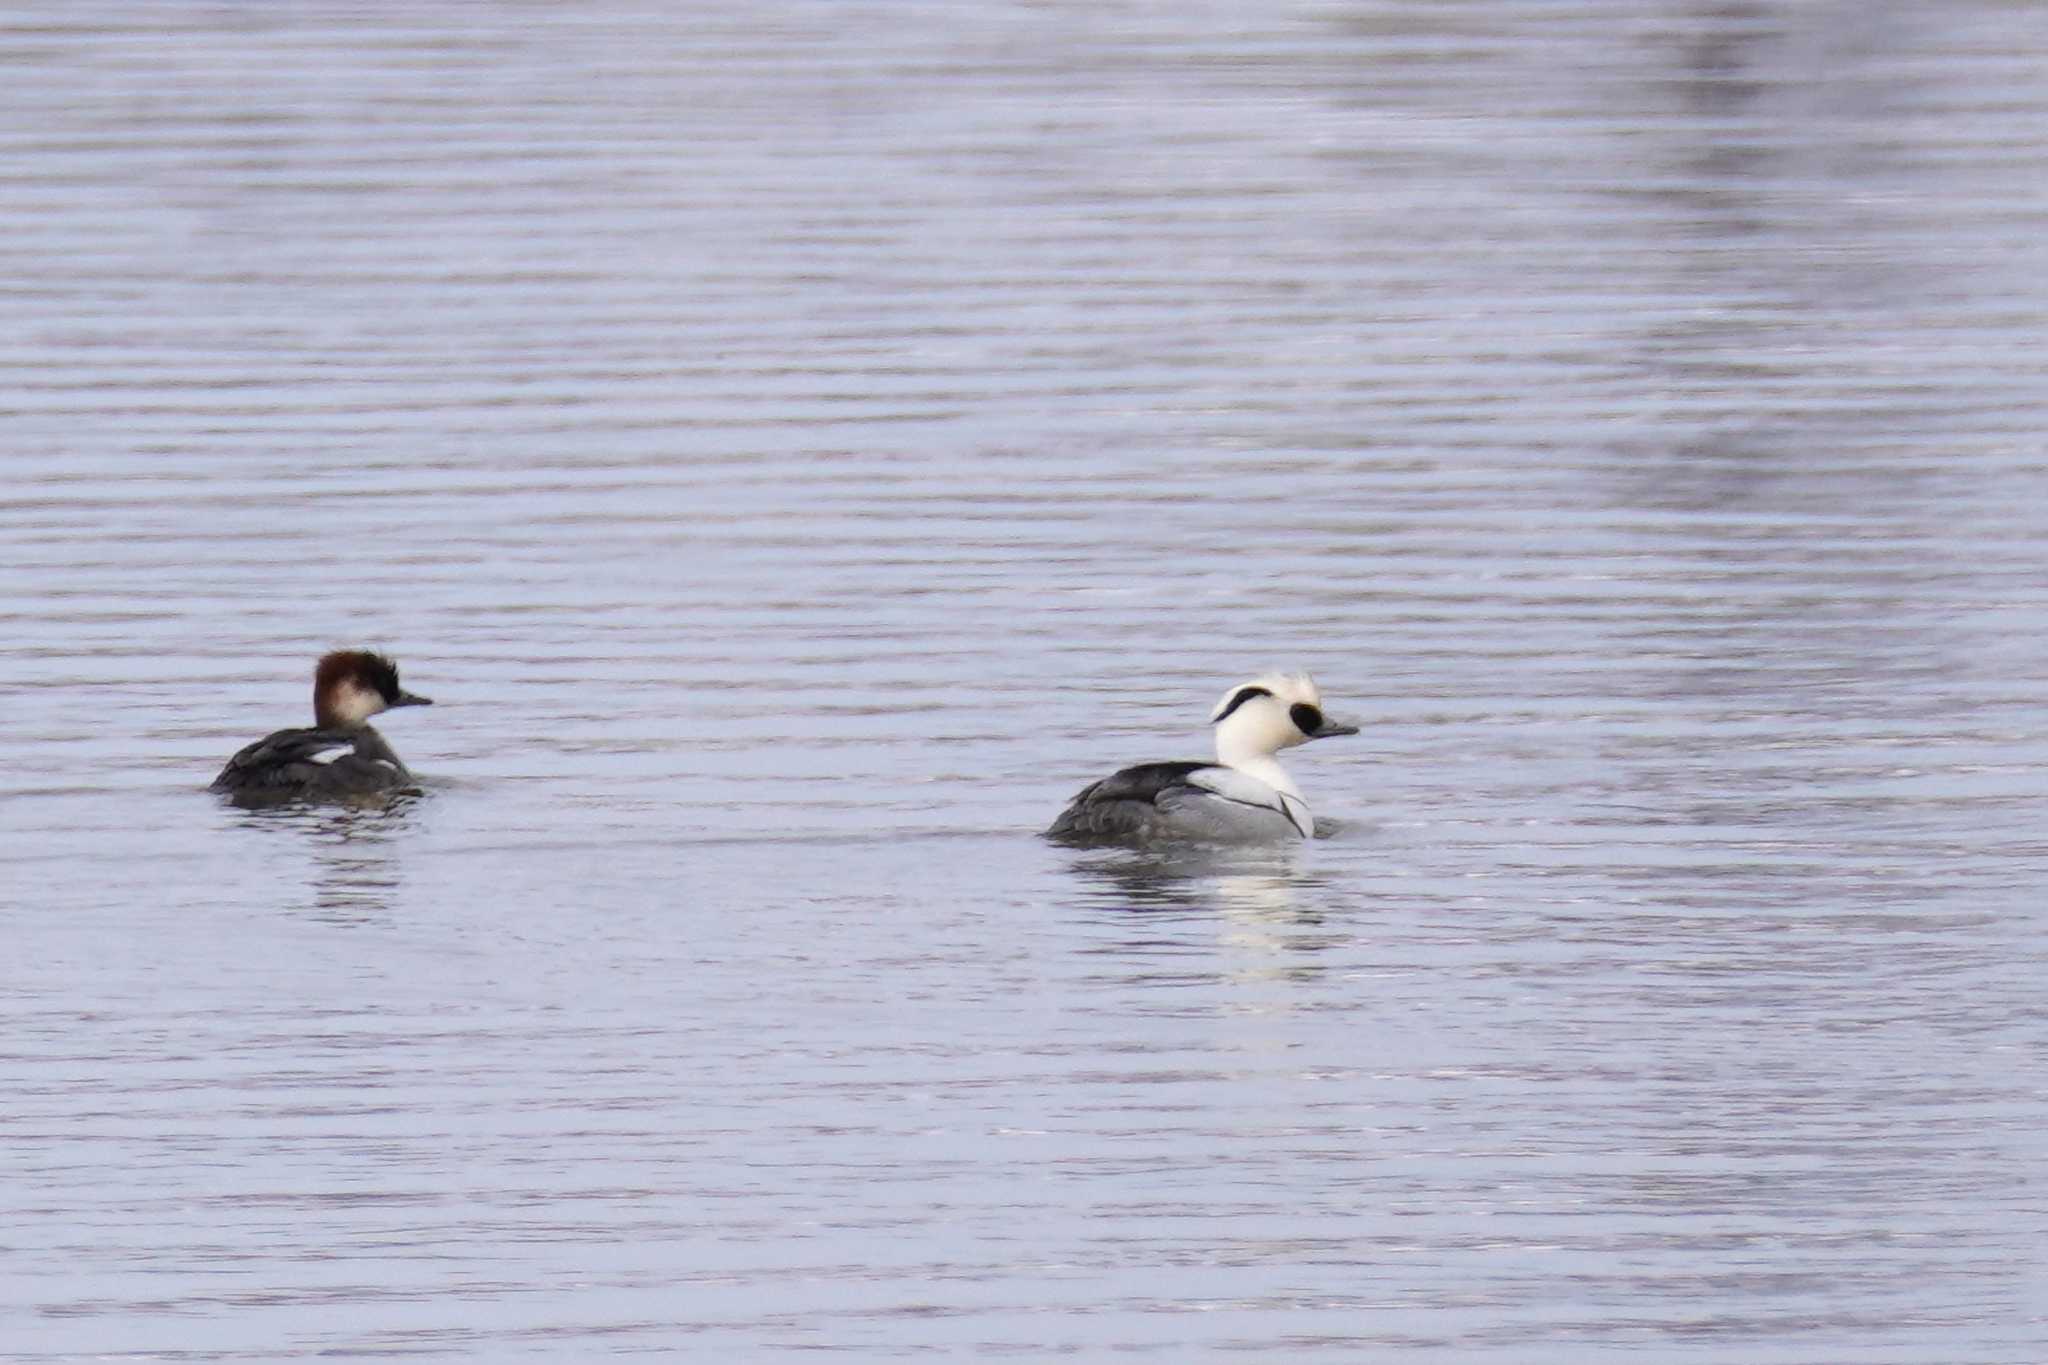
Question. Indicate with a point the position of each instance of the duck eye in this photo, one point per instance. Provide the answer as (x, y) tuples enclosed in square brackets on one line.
[(1306, 718)]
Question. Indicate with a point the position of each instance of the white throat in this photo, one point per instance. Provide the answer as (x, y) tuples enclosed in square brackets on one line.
[(351, 704), (1256, 763)]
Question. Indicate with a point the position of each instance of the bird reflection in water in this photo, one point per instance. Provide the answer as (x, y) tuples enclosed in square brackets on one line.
[(354, 878), (1257, 903)]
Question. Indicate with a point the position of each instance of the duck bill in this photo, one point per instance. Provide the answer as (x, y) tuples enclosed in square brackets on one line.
[(412, 699), (1330, 729)]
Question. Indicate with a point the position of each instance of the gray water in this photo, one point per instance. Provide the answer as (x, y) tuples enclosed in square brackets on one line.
[(797, 445)]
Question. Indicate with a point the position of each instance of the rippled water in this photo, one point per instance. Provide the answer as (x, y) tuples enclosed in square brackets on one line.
[(797, 445)]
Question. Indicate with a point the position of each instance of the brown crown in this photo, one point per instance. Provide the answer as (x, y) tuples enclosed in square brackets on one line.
[(345, 666)]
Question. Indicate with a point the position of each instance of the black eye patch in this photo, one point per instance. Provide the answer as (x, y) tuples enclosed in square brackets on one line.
[(1244, 694), (387, 683), (1306, 718)]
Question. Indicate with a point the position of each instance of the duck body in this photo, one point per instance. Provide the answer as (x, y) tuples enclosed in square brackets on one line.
[(341, 756), (314, 765), (1200, 802), (1244, 796)]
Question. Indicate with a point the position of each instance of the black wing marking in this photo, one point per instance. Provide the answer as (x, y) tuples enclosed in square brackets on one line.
[(1123, 804), (281, 750)]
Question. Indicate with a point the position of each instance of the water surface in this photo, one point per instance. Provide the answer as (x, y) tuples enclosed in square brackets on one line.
[(799, 446)]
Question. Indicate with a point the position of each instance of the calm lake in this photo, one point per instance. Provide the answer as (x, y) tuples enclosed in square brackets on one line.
[(797, 445)]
